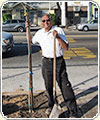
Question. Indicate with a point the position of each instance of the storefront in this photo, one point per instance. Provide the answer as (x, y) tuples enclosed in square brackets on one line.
[(77, 12)]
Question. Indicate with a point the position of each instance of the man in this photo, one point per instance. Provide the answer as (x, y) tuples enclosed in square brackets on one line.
[(45, 37)]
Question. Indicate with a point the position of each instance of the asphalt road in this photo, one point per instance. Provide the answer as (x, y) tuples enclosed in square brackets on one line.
[(81, 61), (77, 40)]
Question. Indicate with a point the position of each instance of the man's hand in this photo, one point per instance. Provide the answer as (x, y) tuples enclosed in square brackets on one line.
[(62, 43), (55, 34)]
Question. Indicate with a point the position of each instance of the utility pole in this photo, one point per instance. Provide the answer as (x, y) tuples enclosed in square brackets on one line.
[(66, 19)]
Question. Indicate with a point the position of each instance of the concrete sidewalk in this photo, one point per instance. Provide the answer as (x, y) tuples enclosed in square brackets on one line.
[(81, 77)]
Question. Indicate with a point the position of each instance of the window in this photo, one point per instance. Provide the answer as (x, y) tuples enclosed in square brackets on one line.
[(39, 13), (14, 21), (22, 14), (21, 21), (76, 8), (8, 22), (95, 21)]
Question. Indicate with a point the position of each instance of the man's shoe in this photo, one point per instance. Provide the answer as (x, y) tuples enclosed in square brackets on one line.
[(48, 111)]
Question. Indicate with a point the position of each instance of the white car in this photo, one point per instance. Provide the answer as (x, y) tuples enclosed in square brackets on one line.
[(7, 42), (90, 25)]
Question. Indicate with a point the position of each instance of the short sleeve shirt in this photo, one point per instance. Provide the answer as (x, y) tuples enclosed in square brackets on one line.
[(46, 41)]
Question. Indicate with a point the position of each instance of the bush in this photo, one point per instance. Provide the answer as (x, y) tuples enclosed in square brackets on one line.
[(53, 18), (6, 17)]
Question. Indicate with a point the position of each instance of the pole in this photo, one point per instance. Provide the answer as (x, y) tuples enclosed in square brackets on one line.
[(66, 15), (30, 100), (63, 22), (49, 7)]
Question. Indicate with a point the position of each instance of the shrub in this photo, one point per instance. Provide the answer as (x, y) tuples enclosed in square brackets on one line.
[(53, 18), (6, 17)]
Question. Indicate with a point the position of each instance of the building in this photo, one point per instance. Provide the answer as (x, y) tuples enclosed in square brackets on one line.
[(78, 12), (72, 12), (37, 9)]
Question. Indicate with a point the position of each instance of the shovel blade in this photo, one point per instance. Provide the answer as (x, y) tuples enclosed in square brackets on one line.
[(55, 112)]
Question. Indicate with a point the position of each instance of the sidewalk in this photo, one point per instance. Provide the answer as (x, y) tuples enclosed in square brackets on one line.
[(70, 28)]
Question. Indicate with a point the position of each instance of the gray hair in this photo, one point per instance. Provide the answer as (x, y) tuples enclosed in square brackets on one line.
[(49, 16)]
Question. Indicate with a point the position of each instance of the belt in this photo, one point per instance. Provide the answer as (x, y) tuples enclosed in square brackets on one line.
[(51, 59)]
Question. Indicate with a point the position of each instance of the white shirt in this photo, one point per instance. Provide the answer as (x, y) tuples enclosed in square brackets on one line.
[(46, 41)]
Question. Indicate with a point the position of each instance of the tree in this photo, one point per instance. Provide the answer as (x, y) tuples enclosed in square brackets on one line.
[(6, 17)]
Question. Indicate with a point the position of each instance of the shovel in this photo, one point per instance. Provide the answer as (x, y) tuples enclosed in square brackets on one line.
[(56, 110)]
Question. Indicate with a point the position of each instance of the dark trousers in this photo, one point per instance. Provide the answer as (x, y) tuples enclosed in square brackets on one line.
[(63, 82)]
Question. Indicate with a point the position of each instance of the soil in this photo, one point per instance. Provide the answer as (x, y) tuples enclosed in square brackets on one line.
[(17, 106)]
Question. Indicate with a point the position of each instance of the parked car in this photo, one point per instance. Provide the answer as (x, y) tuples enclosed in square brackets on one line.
[(90, 25), (7, 42), (14, 25)]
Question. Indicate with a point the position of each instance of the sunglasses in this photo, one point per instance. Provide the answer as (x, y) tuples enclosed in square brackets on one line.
[(48, 20)]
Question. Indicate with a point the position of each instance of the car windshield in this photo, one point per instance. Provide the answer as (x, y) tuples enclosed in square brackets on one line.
[(89, 21), (92, 21)]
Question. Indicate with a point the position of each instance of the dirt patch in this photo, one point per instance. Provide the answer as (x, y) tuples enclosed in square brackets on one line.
[(17, 106)]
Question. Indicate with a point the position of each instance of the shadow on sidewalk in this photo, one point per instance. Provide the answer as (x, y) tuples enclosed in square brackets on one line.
[(87, 100), (20, 74), (86, 92), (88, 106), (82, 83)]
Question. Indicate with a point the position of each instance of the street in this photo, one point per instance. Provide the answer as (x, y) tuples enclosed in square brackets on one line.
[(81, 62), (84, 42)]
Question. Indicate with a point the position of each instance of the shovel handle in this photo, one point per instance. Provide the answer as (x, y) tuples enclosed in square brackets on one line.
[(54, 68)]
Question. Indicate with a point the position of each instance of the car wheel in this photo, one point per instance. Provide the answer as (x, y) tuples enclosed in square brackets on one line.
[(20, 29), (85, 28)]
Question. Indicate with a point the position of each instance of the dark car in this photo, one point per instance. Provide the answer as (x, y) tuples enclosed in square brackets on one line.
[(7, 42), (14, 25)]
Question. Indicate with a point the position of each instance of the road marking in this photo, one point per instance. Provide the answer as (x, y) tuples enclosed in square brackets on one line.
[(85, 36), (80, 52), (71, 40), (68, 36), (24, 37), (84, 52)]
